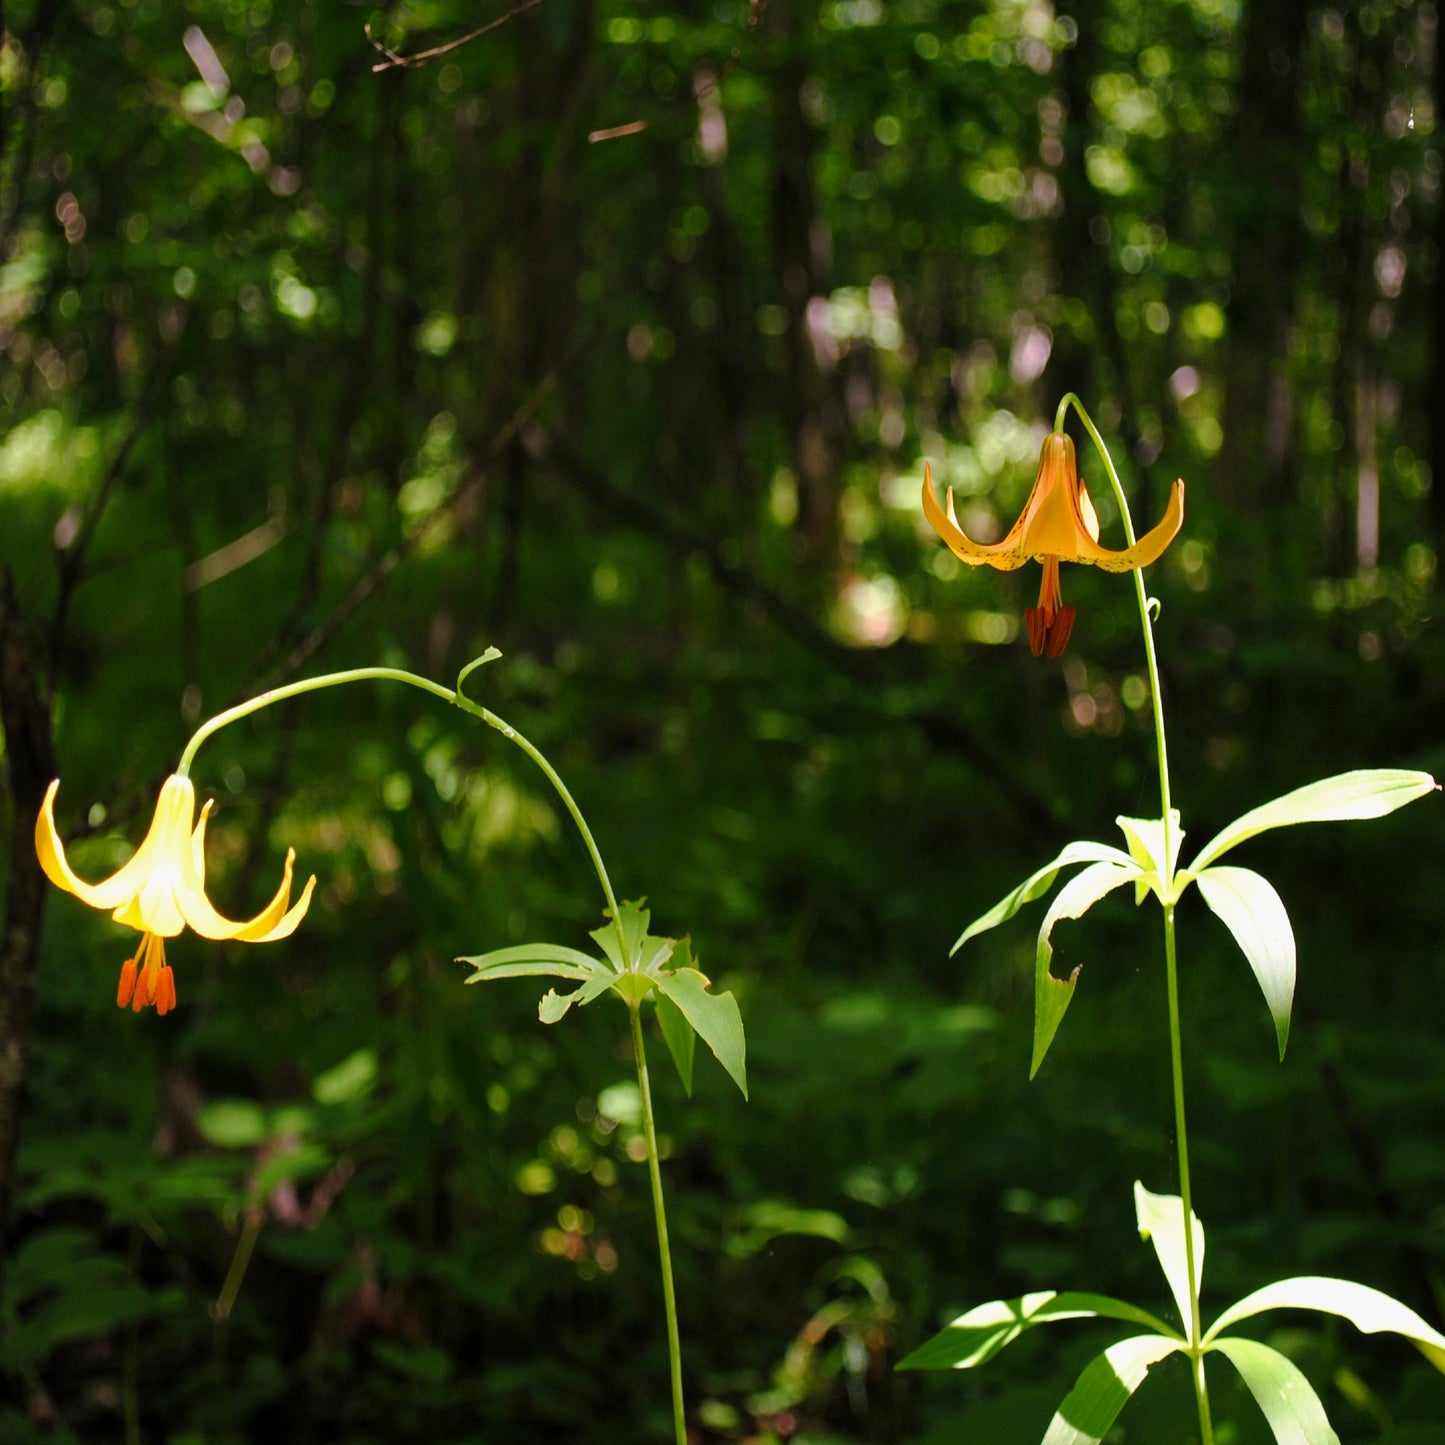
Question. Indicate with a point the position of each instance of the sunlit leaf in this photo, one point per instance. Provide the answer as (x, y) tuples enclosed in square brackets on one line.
[(1365, 793), (1145, 837), (714, 1016), (1367, 1309), (1255, 915), (769, 1219), (1104, 1388), (602, 979), (1279, 1387), (348, 1081), (1039, 883), (1161, 1221), (528, 960), (554, 1005), (658, 953), (634, 919), (976, 1336), (232, 1123), (1053, 995)]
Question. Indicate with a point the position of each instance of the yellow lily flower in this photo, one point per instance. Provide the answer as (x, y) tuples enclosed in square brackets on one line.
[(161, 891), (1058, 524)]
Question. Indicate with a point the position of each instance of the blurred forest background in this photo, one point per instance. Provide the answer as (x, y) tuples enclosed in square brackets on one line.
[(617, 337)]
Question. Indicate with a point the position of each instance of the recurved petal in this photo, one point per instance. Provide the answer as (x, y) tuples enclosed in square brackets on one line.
[(292, 917), (1005, 555), (190, 891), (1149, 547), (273, 914), (198, 844), (112, 892), (273, 921)]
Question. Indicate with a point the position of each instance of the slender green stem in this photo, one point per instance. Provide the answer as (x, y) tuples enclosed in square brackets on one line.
[(240, 1260), (296, 689), (1145, 620), (451, 695), (654, 1170), (536, 755), (1186, 1193), (1170, 845)]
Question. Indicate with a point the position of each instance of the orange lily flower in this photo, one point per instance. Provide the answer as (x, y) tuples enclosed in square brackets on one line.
[(1058, 524), (161, 891)]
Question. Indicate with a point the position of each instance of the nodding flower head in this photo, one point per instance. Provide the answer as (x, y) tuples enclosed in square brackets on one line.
[(161, 891), (1057, 524)]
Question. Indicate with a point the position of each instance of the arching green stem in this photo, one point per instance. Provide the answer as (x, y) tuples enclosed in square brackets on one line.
[(1181, 1133), (451, 695), (1145, 619), (1170, 845), (457, 699)]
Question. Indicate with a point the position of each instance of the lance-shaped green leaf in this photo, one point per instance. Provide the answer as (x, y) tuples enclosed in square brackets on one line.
[(714, 1016), (634, 918), (527, 960), (1255, 915), (1161, 1222), (1365, 793), (1053, 995), (1282, 1392), (1103, 1389), (680, 1039), (676, 1031), (1145, 837), (1039, 883), (977, 1336), (1367, 1309)]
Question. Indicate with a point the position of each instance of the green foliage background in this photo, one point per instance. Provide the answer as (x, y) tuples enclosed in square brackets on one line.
[(312, 362)]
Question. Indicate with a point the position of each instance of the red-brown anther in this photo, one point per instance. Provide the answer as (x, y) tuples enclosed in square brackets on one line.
[(1050, 623), (144, 989), (147, 979)]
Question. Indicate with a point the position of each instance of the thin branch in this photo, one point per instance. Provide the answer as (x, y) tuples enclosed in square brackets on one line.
[(409, 62), (30, 765), (613, 132)]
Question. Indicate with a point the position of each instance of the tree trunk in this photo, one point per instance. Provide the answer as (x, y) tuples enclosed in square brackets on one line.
[(1254, 471), (1435, 396), (25, 712), (799, 259)]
